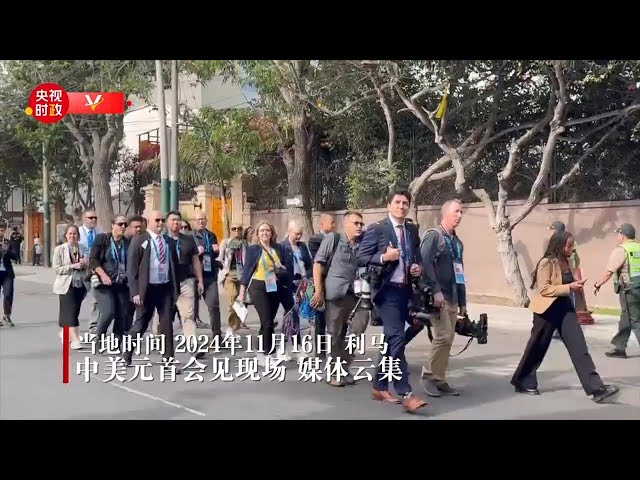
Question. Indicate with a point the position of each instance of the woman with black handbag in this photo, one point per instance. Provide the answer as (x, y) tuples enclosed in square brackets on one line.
[(108, 262), (263, 275)]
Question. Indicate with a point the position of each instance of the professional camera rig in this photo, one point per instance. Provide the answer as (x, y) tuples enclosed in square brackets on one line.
[(422, 308)]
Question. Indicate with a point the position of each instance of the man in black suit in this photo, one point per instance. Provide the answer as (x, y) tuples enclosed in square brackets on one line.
[(393, 246), (7, 277), (152, 282)]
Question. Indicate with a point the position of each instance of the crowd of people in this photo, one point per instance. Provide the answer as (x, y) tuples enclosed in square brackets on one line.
[(159, 267)]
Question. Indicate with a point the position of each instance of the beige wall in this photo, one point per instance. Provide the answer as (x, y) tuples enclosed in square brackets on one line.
[(591, 223)]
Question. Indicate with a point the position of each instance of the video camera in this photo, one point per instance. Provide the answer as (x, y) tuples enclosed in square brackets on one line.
[(422, 304), (368, 278), (478, 330), (422, 307)]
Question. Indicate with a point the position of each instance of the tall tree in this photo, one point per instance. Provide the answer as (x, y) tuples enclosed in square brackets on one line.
[(291, 96), (97, 137), (219, 145), (525, 106)]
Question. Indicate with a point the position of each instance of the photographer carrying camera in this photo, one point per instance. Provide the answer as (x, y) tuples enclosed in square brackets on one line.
[(108, 262), (334, 274), (443, 273), (390, 249)]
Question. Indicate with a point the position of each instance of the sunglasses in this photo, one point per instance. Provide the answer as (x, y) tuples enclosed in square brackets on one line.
[(236, 229), (121, 224), (92, 218), (359, 224), (159, 220)]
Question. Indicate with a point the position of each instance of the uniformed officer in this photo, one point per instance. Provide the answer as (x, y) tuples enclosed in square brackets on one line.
[(624, 263)]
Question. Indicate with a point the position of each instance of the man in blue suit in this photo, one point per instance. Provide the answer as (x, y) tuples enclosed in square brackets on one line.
[(393, 245)]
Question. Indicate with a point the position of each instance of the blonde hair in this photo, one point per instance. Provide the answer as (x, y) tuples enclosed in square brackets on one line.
[(271, 227)]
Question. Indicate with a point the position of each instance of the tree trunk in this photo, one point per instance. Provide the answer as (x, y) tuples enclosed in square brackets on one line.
[(102, 193), (511, 267), (300, 175), (225, 212)]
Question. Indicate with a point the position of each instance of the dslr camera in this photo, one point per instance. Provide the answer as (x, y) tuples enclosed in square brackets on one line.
[(422, 308), (469, 328), (369, 278), (421, 303)]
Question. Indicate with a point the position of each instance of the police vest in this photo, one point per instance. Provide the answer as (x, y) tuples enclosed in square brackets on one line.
[(633, 258)]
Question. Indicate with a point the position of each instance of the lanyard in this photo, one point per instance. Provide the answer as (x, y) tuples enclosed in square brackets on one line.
[(207, 242), (455, 257), (178, 247), (120, 255), (264, 262), (155, 248), (74, 258)]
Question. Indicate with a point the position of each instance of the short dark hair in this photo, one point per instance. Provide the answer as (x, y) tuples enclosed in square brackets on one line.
[(399, 191), (136, 218), (352, 212), (175, 212)]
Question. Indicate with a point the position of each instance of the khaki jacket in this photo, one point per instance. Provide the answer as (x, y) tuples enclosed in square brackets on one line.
[(549, 286)]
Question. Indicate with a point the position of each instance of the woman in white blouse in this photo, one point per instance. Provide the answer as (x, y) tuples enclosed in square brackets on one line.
[(70, 261)]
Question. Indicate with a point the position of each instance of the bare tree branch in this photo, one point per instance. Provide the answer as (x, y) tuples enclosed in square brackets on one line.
[(388, 115), (417, 96), (535, 195), (483, 196), (417, 110), (576, 166)]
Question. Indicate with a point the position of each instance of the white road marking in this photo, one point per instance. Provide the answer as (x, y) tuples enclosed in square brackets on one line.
[(152, 397)]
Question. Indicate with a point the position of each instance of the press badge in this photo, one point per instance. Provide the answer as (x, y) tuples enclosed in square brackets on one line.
[(206, 263), (459, 271), (270, 282), (163, 272), (122, 270)]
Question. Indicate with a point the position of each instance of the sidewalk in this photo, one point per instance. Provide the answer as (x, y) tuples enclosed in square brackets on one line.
[(507, 318)]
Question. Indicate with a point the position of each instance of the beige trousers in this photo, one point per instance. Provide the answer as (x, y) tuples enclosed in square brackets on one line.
[(444, 331)]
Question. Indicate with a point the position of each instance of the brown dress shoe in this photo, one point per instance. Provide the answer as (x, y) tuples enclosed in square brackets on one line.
[(384, 396), (412, 404)]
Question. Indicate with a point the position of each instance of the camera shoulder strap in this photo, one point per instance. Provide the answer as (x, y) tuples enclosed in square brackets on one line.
[(336, 241)]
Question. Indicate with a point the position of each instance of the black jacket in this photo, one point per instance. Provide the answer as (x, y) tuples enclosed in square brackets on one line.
[(6, 260), (138, 262)]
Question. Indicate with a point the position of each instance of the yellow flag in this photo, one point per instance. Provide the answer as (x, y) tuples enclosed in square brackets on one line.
[(443, 103)]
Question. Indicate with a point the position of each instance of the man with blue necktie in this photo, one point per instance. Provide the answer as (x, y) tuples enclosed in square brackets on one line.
[(88, 232), (393, 246)]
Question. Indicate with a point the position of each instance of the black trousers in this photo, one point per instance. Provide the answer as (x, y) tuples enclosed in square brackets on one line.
[(114, 306), (212, 300), (266, 304), (158, 298), (6, 287), (560, 316)]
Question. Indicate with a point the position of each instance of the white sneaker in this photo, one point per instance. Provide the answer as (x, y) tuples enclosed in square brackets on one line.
[(76, 345), (301, 355), (283, 355), (262, 359)]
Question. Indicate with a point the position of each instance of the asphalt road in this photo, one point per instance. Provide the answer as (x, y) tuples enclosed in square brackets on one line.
[(31, 381)]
